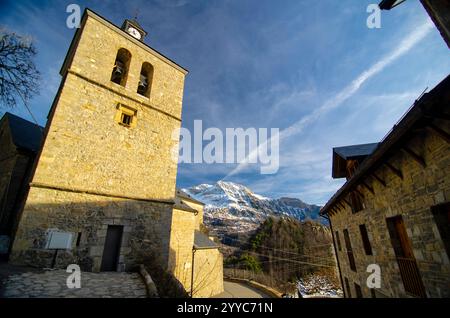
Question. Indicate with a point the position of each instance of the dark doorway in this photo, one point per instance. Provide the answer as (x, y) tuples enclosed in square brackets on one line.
[(111, 251), (409, 271)]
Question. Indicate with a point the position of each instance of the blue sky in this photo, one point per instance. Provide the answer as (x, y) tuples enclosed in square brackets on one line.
[(310, 68)]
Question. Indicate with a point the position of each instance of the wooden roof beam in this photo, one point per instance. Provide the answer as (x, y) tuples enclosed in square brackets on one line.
[(348, 203), (368, 187), (381, 181), (440, 132), (359, 192), (396, 171), (415, 156)]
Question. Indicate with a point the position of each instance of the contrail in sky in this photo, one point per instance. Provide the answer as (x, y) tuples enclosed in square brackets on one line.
[(404, 46)]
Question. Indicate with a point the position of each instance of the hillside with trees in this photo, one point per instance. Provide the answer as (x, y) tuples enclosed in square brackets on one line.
[(286, 251)]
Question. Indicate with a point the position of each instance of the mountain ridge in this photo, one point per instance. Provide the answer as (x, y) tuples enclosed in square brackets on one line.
[(234, 208)]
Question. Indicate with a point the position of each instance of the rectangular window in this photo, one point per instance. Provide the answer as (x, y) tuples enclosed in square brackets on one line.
[(348, 246), (441, 214), (78, 239), (365, 239), (126, 119), (358, 291), (338, 241), (347, 287), (126, 116), (356, 201)]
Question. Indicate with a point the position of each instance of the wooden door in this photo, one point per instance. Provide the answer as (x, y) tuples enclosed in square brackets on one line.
[(409, 271)]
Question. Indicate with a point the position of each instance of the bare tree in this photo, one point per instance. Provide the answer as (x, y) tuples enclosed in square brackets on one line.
[(19, 77)]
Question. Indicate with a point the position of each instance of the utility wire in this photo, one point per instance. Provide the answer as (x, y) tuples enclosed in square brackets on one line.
[(287, 252)]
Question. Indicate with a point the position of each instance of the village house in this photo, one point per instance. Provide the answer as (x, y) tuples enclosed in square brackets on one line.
[(196, 262), (20, 141), (394, 209), (102, 190)]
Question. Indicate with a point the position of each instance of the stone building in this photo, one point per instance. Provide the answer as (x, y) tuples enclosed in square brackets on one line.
[(19, 142), (394, 209), (197, 262), (102, 193)]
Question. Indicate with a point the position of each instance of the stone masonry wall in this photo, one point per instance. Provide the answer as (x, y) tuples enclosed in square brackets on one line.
[(8, 157), (87, 149), (181, 244), (208, 273), (412, 197), (84, 136), (146, 229)]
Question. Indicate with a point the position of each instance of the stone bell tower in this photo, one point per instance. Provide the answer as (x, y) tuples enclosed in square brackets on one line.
[(104, 182)]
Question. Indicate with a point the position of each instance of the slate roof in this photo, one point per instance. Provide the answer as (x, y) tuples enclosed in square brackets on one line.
[(25, 134), (342, 154), (354, 151), (202, 241), (180, 205), (184, 195)]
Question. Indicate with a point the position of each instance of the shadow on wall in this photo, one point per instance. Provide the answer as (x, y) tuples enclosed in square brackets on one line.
[(114, 234)]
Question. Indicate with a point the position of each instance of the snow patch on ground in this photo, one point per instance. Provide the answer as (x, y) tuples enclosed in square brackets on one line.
[(318, 286)]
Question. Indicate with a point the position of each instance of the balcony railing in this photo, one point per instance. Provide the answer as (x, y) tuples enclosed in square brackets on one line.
[(412, 281)]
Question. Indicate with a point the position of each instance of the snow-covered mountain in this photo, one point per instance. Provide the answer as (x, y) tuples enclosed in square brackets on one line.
[(233, 208)]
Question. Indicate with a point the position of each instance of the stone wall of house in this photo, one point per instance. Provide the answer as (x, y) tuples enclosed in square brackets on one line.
[(208, 263), (411, 197), (439, 12), (14, 171), (198, 215), (8, 156), (145, 234), (208, 273), (181, 245)]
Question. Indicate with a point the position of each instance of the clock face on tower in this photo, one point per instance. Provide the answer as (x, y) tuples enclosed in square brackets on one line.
[(135, 33)]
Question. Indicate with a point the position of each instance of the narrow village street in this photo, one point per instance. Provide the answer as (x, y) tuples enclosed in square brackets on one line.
[(52, 284), (240, 290)]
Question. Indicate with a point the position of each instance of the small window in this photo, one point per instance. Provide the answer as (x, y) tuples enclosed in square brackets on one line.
[(121, 65), (126, 116), (358, 291), (441, 214), (145, 80), (338, 241), (365, 239), (348, 246), (126, 119), (347, 287), (78, 239), (356, 201)]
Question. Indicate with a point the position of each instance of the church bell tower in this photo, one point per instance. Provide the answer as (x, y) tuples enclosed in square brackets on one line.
[(105, 177)]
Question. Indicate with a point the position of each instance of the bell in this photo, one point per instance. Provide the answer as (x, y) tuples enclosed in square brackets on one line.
[(118, 70)]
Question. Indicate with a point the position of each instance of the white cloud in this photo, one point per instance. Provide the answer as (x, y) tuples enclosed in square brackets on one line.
[(404, 46)]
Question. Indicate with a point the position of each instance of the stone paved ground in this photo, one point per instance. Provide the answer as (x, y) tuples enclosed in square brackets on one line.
[(52, 283), (240, 290)]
